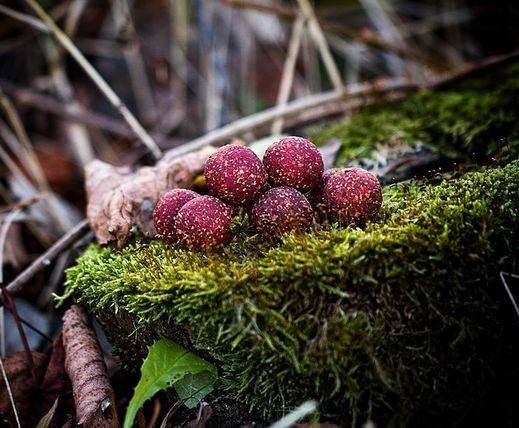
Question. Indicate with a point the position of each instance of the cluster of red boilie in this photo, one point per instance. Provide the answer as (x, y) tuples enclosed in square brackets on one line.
[(281, 194)]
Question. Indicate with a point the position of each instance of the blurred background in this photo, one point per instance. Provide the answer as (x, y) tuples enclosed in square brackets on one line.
[(185, 68)]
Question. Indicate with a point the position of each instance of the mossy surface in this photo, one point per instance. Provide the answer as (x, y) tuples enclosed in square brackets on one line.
[(402, 317), (474, 119)]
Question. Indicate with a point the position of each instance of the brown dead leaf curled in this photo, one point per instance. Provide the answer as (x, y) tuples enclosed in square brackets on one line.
[(93, 395), (23, 387), (34, 400), (119, 198)]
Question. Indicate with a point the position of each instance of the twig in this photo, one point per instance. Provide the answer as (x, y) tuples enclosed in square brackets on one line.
[(291, 109), (27, 156), (473, 68), (100, 82), (507, 288), (23, 140), (77, 134), (318, 37), (26, 19), (44, 260), (10, 218), (155, 414), (287, 77), (24, 203), (9, 302), (27, 97), (178, 33), (12, 165), (170, 413), (134, 61), (295, 415), (322, 100), (30, 325), (367, 38), (8, 221), (10, 393)]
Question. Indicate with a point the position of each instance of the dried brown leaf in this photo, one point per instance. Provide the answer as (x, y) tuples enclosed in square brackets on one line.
[(119, 198), (33, 400), (23, 387)]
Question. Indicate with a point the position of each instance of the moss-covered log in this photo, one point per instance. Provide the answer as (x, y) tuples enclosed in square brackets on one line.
[(473, 119), (404, 317)]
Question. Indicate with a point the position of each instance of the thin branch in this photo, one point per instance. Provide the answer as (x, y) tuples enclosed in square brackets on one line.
[(100, 82), (303, 105), (23, 203), (10, 393), (507, 288), (9, 303), (367, 38), (291, 109), (30, 325), (134, 61), (46, 103), (29, 156), (45, 259), (320, 41), (77, 134), (9, 219), (26, 19), (178, 42), (287, 77)]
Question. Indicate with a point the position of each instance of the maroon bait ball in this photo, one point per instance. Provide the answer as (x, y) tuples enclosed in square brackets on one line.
[(204, 224), (315, 197), (328, 173), (167, 208), (235, 174), (294, 162), (281, 210), (352, 196)]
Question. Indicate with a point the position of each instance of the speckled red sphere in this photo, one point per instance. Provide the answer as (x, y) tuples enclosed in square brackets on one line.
[(328, 173), (166, 211), (281, 210), (235, 174), (204, 224), (352, 196), (315, 197), (294, 162)]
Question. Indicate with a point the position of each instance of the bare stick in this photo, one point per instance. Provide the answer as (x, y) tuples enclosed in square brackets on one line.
[(23, 141), (44, 260), (77, 134), (303, 105), (27, 97), (26, 19), (10, 393), (9, 302), (178, 41), (367, 38), (9, 219), (100, 82), (288, 69), (318, 36), (134, 61), (29, 157), (291, 109)]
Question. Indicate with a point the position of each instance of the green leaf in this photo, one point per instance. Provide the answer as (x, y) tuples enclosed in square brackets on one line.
[(166, 365)]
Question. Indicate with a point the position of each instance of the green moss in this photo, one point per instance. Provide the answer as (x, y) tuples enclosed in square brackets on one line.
[(400, 317), (478, 117)]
